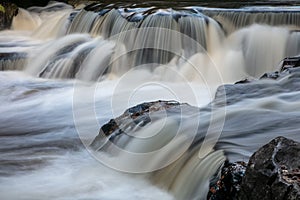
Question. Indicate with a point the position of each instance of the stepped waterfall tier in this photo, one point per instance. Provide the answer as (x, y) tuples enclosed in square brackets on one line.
[(141, 100)]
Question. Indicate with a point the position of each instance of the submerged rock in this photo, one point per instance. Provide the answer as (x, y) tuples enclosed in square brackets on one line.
[(136, 117), (138, 114), (284, 81), (273, 75), (273, 172)]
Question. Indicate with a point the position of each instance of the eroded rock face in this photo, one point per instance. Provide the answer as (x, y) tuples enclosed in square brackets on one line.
[(273, 172)]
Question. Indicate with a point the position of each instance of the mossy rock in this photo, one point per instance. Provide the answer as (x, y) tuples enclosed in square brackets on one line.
[(2, 9), (7, 12)]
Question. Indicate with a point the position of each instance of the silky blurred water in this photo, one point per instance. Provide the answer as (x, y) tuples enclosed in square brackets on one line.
[(64, 77)]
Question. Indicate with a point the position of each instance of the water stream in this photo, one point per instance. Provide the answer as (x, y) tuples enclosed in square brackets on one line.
[(66, 71)]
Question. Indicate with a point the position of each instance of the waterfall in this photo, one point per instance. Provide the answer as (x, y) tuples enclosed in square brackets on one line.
[(235, 19), (64, 72), (159, 37)]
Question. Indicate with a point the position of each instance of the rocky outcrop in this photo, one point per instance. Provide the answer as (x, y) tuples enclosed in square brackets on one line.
[(273, 172), (287, 80), (229, 183), (290, 62), (7, 12), (137, 117), (287, 65)]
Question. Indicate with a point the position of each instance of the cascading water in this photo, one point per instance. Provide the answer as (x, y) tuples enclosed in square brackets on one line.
[(66, 72)]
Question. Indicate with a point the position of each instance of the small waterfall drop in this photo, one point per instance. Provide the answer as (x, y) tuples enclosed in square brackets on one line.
[(234, 19), (191, 35), (25, 21)]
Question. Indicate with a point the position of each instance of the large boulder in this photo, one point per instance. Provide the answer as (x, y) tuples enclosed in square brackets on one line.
[(273, 172)]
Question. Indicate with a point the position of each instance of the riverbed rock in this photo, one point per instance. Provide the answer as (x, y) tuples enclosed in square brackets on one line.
[(290, 62), (287, 66), (273, 172), (283, 81), (137, 117)]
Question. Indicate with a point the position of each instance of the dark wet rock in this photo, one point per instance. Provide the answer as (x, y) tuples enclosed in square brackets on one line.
[(228, 185), (273, 172), (138, 116), (273, 75), (287, 80), (287, 66), (7, 12), (246, 80), (290, 62)]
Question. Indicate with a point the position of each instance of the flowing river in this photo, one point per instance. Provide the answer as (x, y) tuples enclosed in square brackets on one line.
[(67, 71)]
